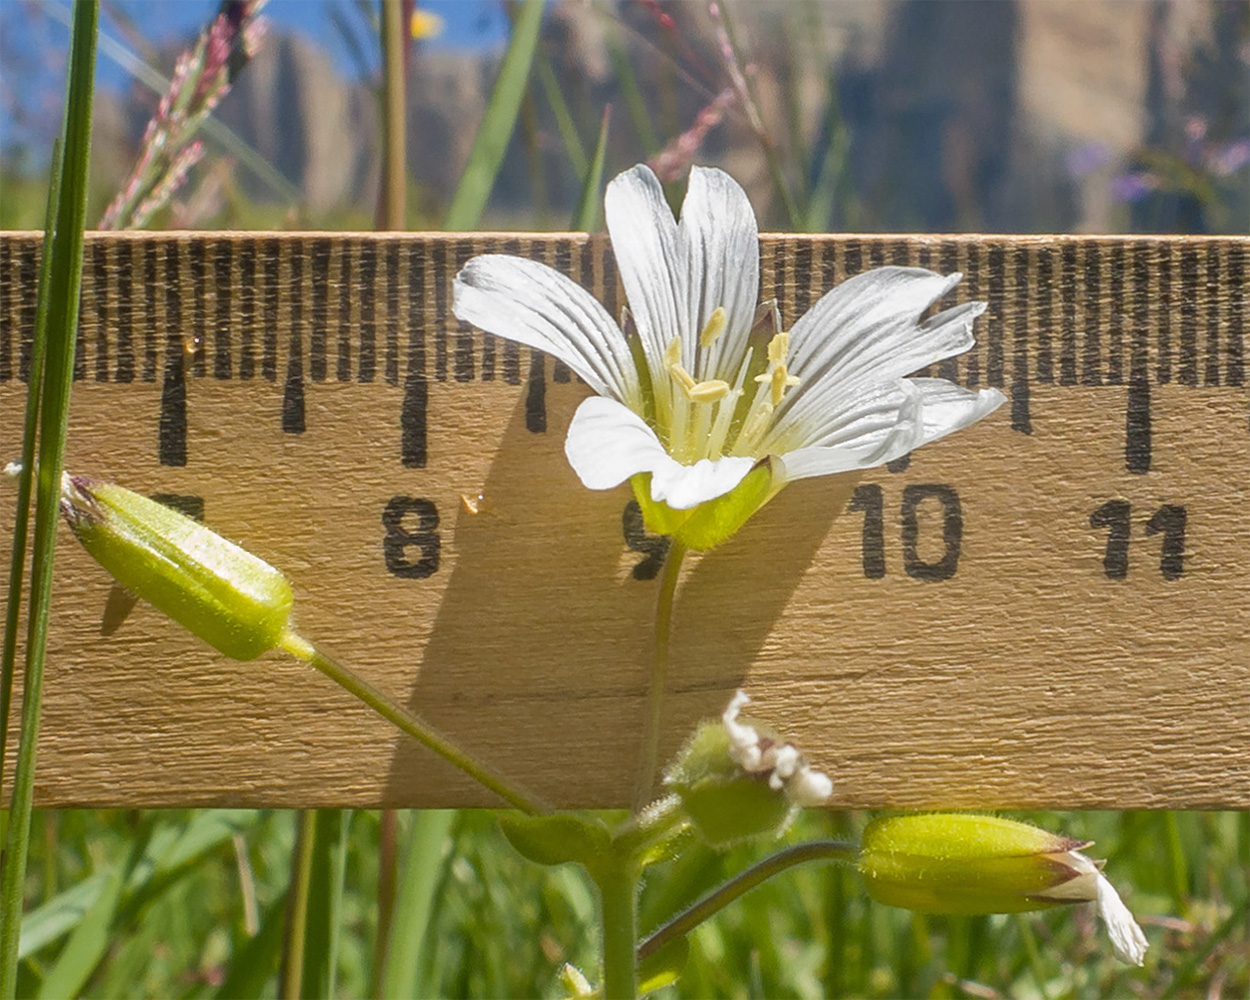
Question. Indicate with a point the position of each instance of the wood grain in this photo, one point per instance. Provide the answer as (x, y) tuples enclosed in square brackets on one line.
[(303, 386)]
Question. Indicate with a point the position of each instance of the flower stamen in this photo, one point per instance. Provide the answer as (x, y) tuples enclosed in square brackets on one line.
[(707, 392), (714, 327)]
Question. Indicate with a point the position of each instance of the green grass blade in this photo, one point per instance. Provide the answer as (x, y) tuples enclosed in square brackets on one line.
[(90, 940), (325, 902), (491, 141), (635, 103), (586, 217), (64, 284), (255, 962), (424, 865), (564, 118), (59, 915), (17, 563)]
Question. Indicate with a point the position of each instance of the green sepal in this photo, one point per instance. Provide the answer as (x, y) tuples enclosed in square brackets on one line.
[(664, 967), (726, 805), (966, 863), (231, 599), (558, 839), (713, 522)]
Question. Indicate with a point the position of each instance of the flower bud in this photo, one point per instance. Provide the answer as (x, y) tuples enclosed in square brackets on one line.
[(737, 783), (235, 602), (973, 864)]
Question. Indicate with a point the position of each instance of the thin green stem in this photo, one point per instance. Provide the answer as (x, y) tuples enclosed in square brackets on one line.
[(618, 891), (404, 720), (744, 882), (290, 979), (26, 475), (659, 674), (64, 285)]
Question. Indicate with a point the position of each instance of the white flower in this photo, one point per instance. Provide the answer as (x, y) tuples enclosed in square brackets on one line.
[(705, 389), (782, 763)]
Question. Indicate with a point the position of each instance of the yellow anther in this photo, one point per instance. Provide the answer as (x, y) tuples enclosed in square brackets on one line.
[(779, 381), (672, 353), (759, 420), (707, 392), (714, 327), (681, 377), (778, 348)]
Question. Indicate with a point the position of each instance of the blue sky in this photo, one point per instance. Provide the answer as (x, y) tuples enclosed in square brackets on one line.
[(33, 41)]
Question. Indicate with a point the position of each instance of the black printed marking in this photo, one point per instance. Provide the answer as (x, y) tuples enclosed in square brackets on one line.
[(441, 280), (80, 343), (852, 260), (802, 278), (124, 338), (993, 330), (293, 421), (868, 498), (1115, 352), (1170, 521), (28, 277), (1235, 369), (392, 313), (343, 366), (172, 431), (536, 395), (1045, 286), (638, 539), (320, 317), (198, 265), (1091, 320), (952, 531), (98, 250), (411, 522), (367, 363), (1187, 365), (1211, 372), (611, 293), (1021, 419), (900, 253), (511, 349), (413, 443), (876, 253), (7, 309), (900, 464), (464, 332), (1137, 442), (779, 282), (1114, 515), (150, 286), (1067, 301), (1166, 309), (247, 309), (948, 263), (223, 262), (273, 289)]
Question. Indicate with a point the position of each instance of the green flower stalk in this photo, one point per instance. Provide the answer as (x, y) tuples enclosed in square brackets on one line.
[(970, 864)]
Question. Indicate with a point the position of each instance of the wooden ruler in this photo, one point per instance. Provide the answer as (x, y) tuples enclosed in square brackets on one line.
[(1049, 609)]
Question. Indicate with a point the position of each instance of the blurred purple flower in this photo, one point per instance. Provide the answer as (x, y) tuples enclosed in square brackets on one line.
[(1133, 186), (1230, 158), (1087, 158)]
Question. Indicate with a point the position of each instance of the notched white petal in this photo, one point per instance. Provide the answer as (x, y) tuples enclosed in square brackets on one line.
[(607, 443), (685, 486)]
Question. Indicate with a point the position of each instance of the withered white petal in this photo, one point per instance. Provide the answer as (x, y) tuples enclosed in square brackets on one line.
[(1127, 939)]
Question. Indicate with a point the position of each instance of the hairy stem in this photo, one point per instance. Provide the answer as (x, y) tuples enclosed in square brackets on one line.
[(618, 893), (744, 882), (404, 720), (659, 674)]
